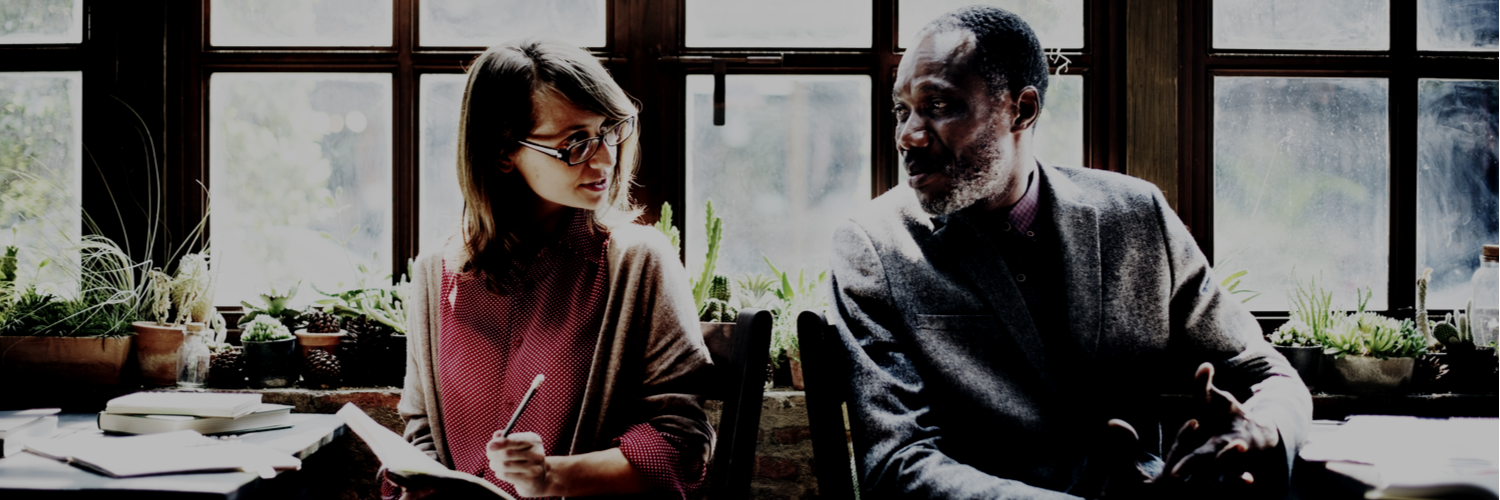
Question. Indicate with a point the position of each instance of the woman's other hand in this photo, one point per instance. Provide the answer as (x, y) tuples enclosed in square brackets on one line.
[(428, 487), (520, 459)]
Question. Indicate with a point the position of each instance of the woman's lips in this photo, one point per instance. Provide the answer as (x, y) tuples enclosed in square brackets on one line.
[(597, 186)]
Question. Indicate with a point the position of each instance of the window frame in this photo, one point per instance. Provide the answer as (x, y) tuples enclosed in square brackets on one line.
[(1402, 65), (646, 52)]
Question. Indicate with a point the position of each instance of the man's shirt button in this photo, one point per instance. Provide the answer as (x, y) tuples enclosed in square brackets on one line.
[(1020, 278)]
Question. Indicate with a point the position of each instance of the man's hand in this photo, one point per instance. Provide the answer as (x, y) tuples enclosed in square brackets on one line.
[(1131, 469), (521, 461), (1225, 447)]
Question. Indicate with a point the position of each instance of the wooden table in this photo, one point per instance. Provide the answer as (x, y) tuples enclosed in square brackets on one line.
[(32, 476)]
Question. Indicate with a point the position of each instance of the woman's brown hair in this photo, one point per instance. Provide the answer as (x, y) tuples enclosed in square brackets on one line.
[(498, 110)]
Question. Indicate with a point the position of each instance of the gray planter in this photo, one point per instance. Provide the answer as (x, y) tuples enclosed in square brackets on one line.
[(271, 364), (1308, 361), (1367, 375)]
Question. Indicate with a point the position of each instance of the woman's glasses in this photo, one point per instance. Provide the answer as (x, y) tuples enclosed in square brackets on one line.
[(581, 151)]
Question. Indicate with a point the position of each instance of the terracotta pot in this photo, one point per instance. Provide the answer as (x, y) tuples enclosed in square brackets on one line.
[(1365, 375), (271, 364), (329, 342), (1308, 362), (85, 360), (797, 381), (156, 348)]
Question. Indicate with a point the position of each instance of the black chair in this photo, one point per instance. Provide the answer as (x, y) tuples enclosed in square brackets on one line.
[(826, 386), (740, 352)]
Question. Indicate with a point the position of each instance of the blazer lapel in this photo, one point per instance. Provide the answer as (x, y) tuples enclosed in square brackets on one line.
[(1078, 235), (986, 269)]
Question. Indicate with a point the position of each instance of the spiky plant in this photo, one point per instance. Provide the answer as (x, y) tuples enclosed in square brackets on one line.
[(275, 307), (714, 228), (664, 224), (264, 328)]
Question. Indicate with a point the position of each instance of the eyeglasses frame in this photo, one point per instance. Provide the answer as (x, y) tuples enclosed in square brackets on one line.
[(561, 153)]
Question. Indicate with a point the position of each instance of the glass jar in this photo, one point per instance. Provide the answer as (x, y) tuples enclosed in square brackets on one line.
[(193, 357), (1485, 308)]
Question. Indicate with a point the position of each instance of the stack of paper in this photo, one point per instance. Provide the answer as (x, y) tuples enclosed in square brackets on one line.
[(17, 427), (207, 413), (167, 453), (1411, 457)]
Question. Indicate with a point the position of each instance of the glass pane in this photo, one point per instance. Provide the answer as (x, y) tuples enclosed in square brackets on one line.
[(1059, 131), (1457, 24), (1456, 184), (300, 173), (1302, 24), (440, 202), (41, 164), (1302, 185), (41, 21), (1057, 23), (790, 162), (766, 23), (299, 23), (482, 23)]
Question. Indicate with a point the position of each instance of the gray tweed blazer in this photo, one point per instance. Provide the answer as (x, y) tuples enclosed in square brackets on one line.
[(953, 393)]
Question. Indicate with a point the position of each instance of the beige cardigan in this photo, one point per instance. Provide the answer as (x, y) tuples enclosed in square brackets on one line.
[(649, 365)]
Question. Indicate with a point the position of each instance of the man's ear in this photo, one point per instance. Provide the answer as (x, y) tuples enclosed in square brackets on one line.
[(1028, 106)]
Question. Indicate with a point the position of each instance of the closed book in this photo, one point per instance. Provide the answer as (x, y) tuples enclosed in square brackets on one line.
[(198, 404), (19, 426), (166, 453), (264, 417)]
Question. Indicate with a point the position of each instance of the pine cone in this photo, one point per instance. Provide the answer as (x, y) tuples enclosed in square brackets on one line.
[(1429, 372), (227, 369), (321, 369), (321, 322)]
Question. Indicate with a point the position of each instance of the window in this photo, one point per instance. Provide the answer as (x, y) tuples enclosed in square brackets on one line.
[(357, 102), (1348, 141)]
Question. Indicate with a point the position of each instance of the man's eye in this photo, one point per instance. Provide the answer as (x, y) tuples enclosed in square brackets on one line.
[(938, 104), (900, 112)]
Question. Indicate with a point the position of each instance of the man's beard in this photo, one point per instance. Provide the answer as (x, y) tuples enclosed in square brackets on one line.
[(972, 178)]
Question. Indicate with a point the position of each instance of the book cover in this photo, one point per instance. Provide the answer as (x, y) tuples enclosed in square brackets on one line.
[(17, 427), (200, 404), (264, 417), (400, 457)]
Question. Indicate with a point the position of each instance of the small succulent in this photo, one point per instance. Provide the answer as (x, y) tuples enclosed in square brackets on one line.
[(1455, 331), (1294, 333), (1368, 334), (276, 308), (264, 329)]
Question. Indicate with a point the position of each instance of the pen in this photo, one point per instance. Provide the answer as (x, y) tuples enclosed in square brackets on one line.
[(526, 400)]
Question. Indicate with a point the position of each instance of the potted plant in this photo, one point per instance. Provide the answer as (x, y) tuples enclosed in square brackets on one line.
[(1373, 354), (374, 344), (270, 353), (1470, 369), (793, 299), (1300, 339), (226, 362), (82, 338), (190, 295), (276, 307)]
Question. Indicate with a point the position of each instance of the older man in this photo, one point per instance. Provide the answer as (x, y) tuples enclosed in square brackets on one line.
[(1008, 324)]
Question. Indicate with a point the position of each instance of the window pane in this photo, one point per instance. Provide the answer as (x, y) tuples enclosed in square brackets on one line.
[(40, 167), (790, 162), (299, 165), (440, 202), (482, 23), (1059, 131), (1456, 184), (41, 21), (1302, 24), (1457, 24), (1058, 23), (365, 23), (1302, 185), (767, 23)]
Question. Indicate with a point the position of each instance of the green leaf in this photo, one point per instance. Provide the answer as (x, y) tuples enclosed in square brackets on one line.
[(326, 236)]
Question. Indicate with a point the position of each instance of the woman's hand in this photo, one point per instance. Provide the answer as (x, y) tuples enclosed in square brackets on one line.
[(430, 487), (520, 460)]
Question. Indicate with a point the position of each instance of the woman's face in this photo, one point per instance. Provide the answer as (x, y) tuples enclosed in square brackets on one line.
[(557, 185)]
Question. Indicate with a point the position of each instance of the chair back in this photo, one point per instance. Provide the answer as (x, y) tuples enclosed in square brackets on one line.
[(740, 351), (825, 383)]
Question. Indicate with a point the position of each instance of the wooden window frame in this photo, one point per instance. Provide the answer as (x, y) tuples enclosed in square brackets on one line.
[(1403, 65)]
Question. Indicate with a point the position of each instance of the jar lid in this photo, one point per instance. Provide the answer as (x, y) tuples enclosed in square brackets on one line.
[(1491, 252)]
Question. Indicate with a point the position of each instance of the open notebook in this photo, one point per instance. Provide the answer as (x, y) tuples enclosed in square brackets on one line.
[(400, 457), (165, 453)]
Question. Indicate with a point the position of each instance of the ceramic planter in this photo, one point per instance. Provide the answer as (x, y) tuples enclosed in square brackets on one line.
[(1306, 360), (271, 364), (1367, 375), (1472, 371), (69, 360), (329, 342), (156, 349), (793, 359), (392, 371)]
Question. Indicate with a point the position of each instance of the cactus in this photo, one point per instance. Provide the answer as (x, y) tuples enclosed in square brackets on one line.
[(716, 310), (715, 228), (264, 328), (664, 224), (720, 288), (1422, 322)]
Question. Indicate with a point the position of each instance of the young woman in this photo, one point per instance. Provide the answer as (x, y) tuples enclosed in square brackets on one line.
[(549, 275)]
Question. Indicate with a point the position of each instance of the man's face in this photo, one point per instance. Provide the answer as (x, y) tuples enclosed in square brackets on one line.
[(948, 128)]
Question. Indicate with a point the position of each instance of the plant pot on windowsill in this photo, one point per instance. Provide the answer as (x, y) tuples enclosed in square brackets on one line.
[(307, 341), (68, 360), (392, 370), (272, 363), (1471, 370), (1307, 360), (156, 349), (1370, 375)]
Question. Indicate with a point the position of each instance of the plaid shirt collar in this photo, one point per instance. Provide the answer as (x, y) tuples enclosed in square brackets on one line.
[(1023, 213)]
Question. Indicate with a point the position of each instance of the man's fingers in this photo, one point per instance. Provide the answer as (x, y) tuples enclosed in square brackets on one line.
[(1247, 477), (1120, 430), (1205, 377)]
